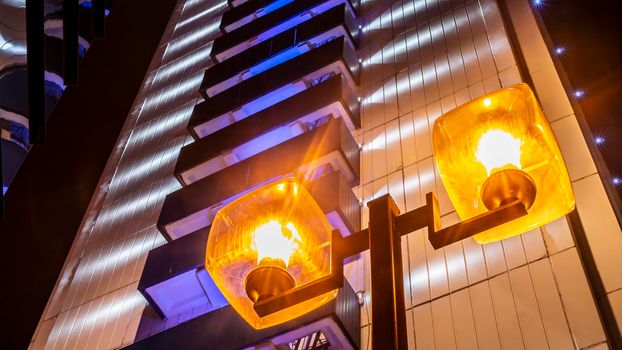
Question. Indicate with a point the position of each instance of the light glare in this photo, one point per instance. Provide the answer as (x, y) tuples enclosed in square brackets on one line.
[(497, 149), (275, 241)]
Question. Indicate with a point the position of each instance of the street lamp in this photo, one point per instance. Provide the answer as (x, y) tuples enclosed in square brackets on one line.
[(273, 255), (497, 149), (265, 243)]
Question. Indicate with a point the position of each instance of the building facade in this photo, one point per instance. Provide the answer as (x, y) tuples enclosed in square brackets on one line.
[(370, 93)]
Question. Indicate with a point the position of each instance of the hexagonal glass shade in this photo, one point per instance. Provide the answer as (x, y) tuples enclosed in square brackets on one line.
[(280, 226), (504, 132)]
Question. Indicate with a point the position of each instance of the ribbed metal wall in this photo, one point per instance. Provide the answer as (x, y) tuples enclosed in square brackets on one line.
[(95, 304)]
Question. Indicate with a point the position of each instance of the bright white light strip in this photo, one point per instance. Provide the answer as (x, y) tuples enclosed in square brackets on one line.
[(139, 199), (127, 250), (399, 47), (147, 165), (205, 13), (204, 34), (197, 59), (190, 85), (91, 317), (165, 124)]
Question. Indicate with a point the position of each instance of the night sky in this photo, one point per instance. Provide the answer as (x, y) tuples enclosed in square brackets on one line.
[(588, 35)]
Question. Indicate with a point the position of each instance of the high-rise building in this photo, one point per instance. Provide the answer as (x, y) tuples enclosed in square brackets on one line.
[(343, 95)]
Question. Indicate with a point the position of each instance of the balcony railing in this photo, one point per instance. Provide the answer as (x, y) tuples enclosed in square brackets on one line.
[(193, 207)]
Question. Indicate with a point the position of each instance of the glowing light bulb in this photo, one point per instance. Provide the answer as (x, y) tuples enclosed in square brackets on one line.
[(497, 149), (275, 241), (487, 102)]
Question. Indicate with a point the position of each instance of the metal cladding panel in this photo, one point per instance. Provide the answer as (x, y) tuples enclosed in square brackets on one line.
[(348, 312), (335, 17), (287, 72), (333, 136), (261, 24), (325, 93), (225, 329), (333, 193)]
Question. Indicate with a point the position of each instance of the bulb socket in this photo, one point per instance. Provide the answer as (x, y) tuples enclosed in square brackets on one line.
[(268, 279), (506, 186)]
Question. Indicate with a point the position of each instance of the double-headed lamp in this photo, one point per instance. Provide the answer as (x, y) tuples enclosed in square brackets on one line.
[(265, 243), (499, 149)]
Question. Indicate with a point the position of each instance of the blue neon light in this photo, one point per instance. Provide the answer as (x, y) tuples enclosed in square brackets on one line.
[(277, 59), (89, 5), (263, 142), (294, 21), (272, 98), (283, 26), (284, 56), (274, 6)]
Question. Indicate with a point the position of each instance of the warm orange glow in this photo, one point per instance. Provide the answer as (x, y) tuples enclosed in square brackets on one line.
[(504, 129), (280, 221), (276, 241), (496, 149)]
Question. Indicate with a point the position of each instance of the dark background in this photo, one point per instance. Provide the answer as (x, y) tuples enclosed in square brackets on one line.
[(591, 34)]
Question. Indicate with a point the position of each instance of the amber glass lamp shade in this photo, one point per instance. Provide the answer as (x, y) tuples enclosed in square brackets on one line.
[(498, 149), (265, 243)]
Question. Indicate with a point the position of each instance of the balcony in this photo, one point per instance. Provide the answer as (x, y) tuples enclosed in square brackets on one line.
[(336, 22), (174, 279), (270, 25), (194, 206), (338, 321), (248, 12), (283, 121), (275, 85)]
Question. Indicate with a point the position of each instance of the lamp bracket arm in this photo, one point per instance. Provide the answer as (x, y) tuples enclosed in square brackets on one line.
[(422, 217), (429, 216), (477, 224)]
